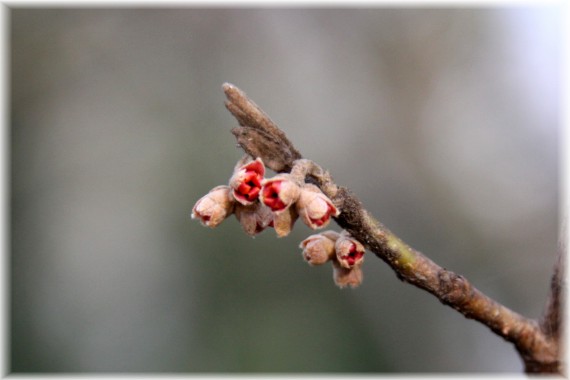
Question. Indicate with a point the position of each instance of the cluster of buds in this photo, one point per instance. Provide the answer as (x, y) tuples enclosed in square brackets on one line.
[(345, 253), (259, 203)]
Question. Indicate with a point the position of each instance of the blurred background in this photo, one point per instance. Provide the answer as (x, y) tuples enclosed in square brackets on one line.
[(445, 123)]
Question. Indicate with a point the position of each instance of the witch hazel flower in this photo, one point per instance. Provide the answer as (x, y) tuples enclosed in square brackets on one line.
[(319, 248), (214, 207), (314, 207), (253, 218), (349, 251), (278, 202), (280, 192), (246, 181)]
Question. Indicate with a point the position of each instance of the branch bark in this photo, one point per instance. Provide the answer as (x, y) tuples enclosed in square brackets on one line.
[(537, 343)]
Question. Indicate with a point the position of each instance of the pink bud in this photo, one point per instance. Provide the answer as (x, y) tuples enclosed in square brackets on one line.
[(347, 277), (214, 207), (319, 248), (253, 218), (283, 222), (315, 207), (279, 192), (246, 181), (349, 251)]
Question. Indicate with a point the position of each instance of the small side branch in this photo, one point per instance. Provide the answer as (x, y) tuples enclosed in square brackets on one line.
[(537, 344)]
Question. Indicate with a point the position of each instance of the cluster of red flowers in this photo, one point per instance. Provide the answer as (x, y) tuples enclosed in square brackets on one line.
[(345, 253), (278, 202)]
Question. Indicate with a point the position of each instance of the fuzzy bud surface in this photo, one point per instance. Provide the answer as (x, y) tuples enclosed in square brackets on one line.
[(314, 207), (319, 248), (214, 207), (253, 218), (344, 277), (283, 222)]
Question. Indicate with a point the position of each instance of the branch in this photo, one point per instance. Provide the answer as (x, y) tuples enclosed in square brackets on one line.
[(538, 345), (551, 321)]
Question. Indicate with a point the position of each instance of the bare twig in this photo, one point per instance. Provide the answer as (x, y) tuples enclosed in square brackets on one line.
[(551, 321), (537, 344)]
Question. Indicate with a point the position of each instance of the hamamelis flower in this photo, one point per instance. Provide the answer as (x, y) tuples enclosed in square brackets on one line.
[(319, 248), (253, 218), (344, 277), (314, 207), (246, 181), (279, 192), (349, 251), (214, 207)]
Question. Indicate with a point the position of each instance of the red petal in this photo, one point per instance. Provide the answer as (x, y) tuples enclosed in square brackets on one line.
[(250, 187), (271, 196), (255, 166), (353, 255)]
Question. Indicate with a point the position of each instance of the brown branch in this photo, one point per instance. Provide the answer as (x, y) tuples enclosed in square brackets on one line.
[(551, 322), (538, 345)]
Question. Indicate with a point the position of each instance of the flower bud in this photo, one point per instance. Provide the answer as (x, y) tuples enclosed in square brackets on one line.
[(253, 218), (280, 192), (319, 248), (214, 207), (246, 181), (347, 277), (283, 222), (349, 251), (315, 207)]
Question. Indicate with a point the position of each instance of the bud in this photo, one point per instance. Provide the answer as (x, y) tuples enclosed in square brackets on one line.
[(280, 192), (214, 207), (283, 222), (319, 248), (349, 251), (246, 181), (253, 218), (346, 277), (315, 207)]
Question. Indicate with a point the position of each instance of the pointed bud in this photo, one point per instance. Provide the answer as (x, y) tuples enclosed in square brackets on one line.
[(347, 277), (253, 218), (315, 207), (319, 248), (280, 192), (214, 207), (283, 222), (349, 251), (246, 181)]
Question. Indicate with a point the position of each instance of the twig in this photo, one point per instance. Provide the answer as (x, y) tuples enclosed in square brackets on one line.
[(537, 344)]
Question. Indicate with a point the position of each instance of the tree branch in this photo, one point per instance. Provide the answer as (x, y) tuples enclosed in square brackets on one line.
[(537, 344)]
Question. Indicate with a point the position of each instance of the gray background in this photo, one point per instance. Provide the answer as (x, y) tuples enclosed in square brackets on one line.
[(443, 121)]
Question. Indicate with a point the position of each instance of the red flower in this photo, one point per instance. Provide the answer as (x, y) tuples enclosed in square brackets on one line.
[(279, 193), (315, 207), (246, 181), (214, 207), (349, 251)]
